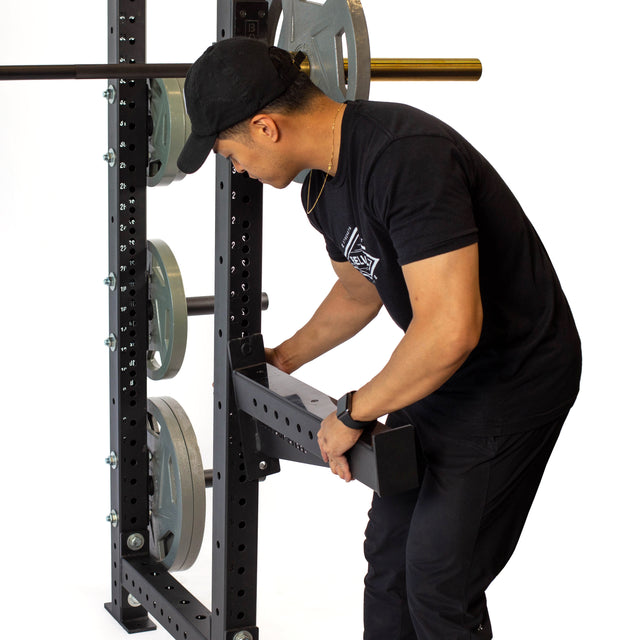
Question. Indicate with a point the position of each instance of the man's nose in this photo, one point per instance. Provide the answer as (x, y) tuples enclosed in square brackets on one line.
[(238, 167)]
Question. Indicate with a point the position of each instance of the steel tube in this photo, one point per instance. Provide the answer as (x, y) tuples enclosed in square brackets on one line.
[(94, 71), (200, 305), (383, 69)]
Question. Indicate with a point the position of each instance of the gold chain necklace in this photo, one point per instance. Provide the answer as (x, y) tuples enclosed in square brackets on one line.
[(326, 175)]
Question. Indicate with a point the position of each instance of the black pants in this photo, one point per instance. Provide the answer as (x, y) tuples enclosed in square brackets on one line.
[(433, 552)]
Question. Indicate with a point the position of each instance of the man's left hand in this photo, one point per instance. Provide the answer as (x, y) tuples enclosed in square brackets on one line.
[(335, 438)]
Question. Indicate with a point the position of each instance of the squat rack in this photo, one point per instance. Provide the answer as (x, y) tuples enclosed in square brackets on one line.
[(287, 430), (261, 415)]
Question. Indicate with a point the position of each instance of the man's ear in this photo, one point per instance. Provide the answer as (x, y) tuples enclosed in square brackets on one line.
[(264, 127)]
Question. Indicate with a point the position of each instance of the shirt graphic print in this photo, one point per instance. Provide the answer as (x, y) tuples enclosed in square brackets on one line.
[(355, 252)]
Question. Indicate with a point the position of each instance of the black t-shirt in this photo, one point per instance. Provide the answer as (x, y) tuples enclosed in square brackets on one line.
[(409, 187)]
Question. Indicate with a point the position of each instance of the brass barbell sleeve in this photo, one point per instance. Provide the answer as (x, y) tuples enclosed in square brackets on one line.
[(417, 69), (413, 69)]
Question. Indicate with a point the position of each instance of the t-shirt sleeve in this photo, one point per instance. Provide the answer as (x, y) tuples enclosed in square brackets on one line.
[(332, 248), (420, 191)]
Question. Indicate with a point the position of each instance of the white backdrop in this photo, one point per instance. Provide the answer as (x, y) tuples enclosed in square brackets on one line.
[(555, 112)]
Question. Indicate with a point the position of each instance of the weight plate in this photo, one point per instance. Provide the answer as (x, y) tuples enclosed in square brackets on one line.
[(171, 128), (168, 325), (177, 505), (317, 30)]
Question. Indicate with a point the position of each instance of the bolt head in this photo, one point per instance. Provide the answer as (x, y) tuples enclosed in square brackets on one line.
[(110, 157), (133, 602), (135, 541), (110, 94)]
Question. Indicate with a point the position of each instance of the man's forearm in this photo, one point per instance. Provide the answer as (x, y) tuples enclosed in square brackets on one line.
[(446, 327), (338, 318), (422, 362)]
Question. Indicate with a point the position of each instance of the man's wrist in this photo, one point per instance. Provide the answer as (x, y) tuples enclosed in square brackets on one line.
[(344, 413)]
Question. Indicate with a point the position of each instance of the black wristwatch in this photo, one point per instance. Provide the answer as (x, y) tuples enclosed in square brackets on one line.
[(344, 413)]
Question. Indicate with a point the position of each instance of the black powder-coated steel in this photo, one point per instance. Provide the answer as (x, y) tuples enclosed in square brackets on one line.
[(175, 608), (238, 255), (291, 413), (127, 137)]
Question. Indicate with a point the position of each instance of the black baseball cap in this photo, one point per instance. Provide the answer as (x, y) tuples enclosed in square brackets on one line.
[(228, 83)]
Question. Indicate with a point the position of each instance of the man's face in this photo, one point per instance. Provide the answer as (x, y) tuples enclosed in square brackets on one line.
[(257, 158)]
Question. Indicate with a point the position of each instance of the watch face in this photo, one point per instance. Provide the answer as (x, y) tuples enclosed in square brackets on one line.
[(343, 406)]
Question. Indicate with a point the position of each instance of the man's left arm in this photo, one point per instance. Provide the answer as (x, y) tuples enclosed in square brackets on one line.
[(445, 328)]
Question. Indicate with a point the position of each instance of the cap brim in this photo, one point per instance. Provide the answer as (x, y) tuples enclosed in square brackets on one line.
[(195, 151)]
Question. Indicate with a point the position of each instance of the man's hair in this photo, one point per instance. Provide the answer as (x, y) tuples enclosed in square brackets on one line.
[(297, 98)]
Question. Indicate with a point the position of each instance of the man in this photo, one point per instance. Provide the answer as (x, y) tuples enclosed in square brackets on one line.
[(416, 220)]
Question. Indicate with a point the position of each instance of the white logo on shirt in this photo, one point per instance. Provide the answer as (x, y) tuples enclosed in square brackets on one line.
[(355, 252)]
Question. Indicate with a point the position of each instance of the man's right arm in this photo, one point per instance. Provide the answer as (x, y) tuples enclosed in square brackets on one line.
[(351, 304)]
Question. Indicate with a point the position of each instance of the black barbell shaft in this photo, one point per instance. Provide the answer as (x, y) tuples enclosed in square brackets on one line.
[(134, 71)]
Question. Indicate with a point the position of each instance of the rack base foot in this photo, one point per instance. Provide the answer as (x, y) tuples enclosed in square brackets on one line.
[(134, 625)]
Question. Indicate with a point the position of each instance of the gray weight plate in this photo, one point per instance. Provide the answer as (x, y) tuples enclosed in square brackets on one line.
[(168, 326), (317, 29), (177, 506), (171, 128)]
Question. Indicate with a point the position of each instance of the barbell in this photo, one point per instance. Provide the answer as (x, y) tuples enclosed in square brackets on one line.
[(382, 69), (332, 37)]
